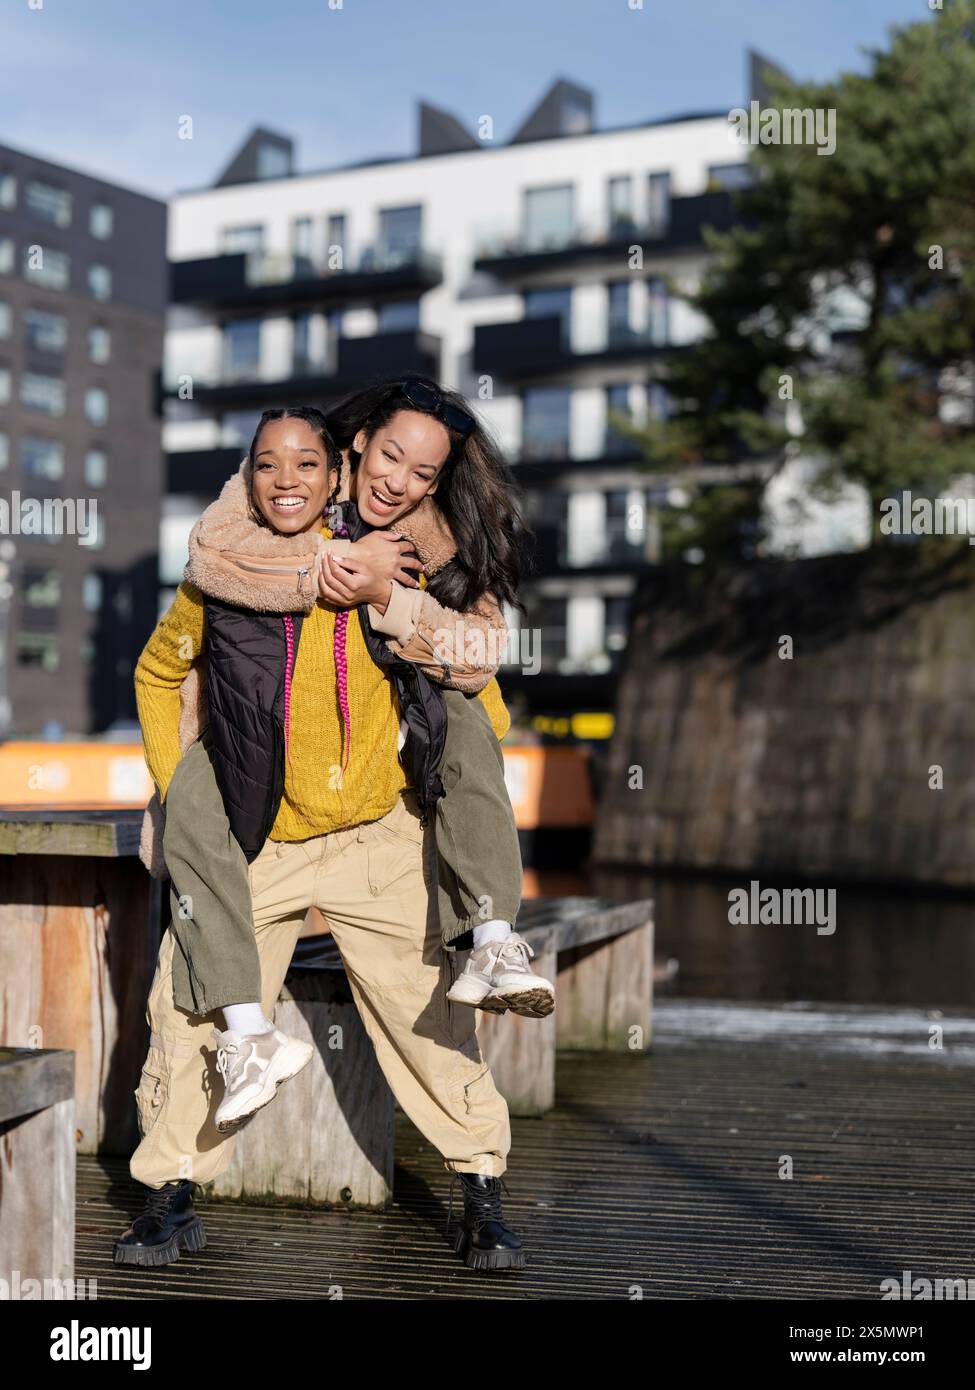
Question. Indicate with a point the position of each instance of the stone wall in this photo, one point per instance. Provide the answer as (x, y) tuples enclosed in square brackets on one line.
[(816, 765)]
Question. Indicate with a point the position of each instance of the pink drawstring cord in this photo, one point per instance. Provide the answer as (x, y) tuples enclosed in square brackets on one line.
[(289, 638), (342, 680), (341, 674)]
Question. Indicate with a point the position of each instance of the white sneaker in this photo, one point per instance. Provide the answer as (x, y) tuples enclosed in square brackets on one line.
[(253, 1066), (498, 977)]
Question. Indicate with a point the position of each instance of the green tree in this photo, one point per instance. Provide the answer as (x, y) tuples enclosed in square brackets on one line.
[(883, 230)]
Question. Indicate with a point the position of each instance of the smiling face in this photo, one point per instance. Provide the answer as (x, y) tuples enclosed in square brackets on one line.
[(291, 480), (398, 466)]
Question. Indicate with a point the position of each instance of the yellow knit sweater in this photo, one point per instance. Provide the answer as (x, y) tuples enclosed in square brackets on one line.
[(318, 796)]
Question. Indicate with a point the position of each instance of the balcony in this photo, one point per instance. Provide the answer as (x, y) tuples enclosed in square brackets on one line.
[(255, 280), (536, 347), (356, 361), (202, 472), (512, 258)]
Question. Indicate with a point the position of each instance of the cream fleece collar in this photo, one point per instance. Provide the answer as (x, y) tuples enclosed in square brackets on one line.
[(232, 558)]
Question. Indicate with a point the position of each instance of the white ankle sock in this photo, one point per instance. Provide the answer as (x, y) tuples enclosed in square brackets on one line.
[(246, 1018), (495, 930)]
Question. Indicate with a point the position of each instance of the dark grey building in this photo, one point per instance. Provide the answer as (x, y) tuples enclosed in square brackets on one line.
[(82, 300)]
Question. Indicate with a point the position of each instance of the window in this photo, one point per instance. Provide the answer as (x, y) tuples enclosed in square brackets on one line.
[(4, 450), (237, 428), (237, 239), (619, 311), (273, 161), (658, 204), (545, 424), (5, 383), (41, 650), (659, 401), (8, 255), (617, 622), (399, 316), (42, 266), (625, 524), (302, 237), (96, 405), (658, 312), (617, 403), (100, 282), (91, 593), (548, 217), (399, 234), (49, 204), (540, 304), (620, 192), (576, 116), (8, 191), (44, 393), (336, 241), (101, 221), (99, 344), (6, 319), (96, 467), (550, 616), (729, 176), (46, 332), (242, 349), (41, 458), (41, 588), (543, 304)]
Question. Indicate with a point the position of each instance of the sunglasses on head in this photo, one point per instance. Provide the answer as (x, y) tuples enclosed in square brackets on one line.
[(431, 400)]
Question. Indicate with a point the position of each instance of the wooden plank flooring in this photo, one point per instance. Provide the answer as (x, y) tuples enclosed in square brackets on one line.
[(657, 1172)]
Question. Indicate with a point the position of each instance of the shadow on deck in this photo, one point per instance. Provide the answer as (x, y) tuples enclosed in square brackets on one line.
[(654, 1172)]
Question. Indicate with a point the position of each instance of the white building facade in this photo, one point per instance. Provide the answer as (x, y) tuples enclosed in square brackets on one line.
[(530, 276)]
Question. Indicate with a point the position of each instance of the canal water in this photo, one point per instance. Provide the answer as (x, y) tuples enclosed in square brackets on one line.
[(890, 945)]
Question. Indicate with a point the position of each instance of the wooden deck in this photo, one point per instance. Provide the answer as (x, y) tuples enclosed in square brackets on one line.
[(658, 1170)]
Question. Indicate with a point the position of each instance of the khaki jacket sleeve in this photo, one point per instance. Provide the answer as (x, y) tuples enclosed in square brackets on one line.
[(459, 650)]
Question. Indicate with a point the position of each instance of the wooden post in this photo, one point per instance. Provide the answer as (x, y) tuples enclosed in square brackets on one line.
[(79, 932), (37, 1169)]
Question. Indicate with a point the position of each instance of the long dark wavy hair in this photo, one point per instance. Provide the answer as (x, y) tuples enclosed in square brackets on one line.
[(476, 493)]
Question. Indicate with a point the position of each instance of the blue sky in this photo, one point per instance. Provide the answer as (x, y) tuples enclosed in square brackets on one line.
[(101, 84)]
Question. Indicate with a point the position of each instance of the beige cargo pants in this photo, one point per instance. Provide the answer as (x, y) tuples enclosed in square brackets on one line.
[(373, 883)]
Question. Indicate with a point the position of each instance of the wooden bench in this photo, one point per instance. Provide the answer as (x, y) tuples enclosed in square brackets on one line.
[(329, 1135), (37, 1170), (79, 935)]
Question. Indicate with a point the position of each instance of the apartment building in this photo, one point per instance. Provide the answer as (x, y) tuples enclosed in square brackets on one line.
[(528, 274), (82, 300)]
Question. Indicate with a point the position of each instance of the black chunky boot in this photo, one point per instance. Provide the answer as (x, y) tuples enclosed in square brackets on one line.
[(482, 1237), (167, 1225)]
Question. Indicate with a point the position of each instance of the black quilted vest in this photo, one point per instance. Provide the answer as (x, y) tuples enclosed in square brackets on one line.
[(246, 655)]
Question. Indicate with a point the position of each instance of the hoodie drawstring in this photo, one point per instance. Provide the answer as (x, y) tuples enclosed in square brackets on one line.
[(341, 671), (289, 641)]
